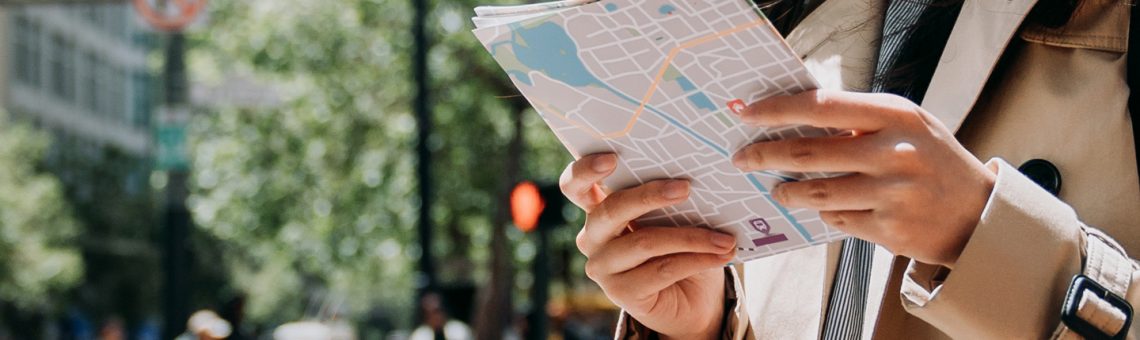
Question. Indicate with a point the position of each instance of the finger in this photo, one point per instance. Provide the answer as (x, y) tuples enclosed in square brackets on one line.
[(850, 192), (631, 250), (610, 217), (865, 112), (859, 223), (662, 272), (829, 154), (579, 181)]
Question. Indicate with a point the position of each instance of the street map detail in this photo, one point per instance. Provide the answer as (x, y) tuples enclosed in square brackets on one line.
[(658, 83)]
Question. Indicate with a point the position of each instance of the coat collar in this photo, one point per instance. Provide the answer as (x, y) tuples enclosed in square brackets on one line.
[(981, 33), (1095, 24)]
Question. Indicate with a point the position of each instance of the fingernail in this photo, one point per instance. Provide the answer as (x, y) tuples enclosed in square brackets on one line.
[(778, 194), (737, 107), (723, 240), (740, 160), (604, 163), (749, 110), (727, 256), (676, 189)]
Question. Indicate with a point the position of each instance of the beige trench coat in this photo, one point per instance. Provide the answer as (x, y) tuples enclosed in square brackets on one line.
[(1056, 94)]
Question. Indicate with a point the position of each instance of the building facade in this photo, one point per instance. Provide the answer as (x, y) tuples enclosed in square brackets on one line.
[(87, 73), (82, 69)]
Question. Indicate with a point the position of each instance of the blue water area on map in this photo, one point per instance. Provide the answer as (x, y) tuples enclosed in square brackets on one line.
[(686, 84), (523, 77), (549, 49), (699, 99), (611, 7), (702, 101), (666, 9)]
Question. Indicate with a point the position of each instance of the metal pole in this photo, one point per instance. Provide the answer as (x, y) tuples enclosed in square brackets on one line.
[(426, 274), (176, 217), (540, 291)]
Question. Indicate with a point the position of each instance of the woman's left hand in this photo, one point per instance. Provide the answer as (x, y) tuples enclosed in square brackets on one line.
[(911, 187)]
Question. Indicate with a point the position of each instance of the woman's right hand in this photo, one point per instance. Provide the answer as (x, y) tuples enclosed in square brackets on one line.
[(670, 279)]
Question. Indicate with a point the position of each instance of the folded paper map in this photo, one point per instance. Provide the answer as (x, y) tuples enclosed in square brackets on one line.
[(658, 82)]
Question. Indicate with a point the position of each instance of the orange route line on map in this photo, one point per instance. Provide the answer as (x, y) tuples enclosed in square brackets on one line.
[(657, 80)]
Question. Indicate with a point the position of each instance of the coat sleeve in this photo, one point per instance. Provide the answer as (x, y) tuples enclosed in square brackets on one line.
[(735, 326), (1012, 276)]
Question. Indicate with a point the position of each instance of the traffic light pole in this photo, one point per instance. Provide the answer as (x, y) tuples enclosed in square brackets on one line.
[(426, 279), (539, 322)]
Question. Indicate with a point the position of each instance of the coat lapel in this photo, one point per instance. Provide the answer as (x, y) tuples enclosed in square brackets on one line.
[(838, 42), (981, 33)]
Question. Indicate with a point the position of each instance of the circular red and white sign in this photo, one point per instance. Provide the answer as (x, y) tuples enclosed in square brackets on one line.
[(176, 16)]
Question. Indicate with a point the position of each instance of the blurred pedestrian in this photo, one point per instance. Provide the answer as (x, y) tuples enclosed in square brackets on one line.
[(437, 324), (315, 330), (112, 329), (206, 325)]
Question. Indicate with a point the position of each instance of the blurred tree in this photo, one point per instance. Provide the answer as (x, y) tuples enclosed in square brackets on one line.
[(312, 197), (39, 258), (316, 197), (108, 191)]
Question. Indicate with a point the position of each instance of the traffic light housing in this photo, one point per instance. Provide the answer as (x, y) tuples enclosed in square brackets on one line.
[(536, 206)]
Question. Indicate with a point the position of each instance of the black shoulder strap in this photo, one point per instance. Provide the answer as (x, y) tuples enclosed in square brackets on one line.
[(1133, 68)]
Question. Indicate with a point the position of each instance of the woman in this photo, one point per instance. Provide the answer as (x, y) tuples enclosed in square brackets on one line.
[(969, 246)]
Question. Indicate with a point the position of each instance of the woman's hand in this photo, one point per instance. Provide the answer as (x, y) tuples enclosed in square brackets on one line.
[(669, 279), (910, 187)]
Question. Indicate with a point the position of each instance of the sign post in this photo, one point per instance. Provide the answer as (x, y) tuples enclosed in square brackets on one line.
[(173, 16)]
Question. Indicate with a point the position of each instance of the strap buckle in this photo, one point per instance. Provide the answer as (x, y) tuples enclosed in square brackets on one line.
[(1084, 285)]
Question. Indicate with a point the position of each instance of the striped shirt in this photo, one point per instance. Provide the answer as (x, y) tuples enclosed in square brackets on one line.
[(846, 309)]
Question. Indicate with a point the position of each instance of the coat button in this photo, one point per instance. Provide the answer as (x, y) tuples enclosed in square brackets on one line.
[(1043, 173)]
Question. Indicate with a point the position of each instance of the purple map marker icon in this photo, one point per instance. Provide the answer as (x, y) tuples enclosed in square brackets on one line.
[(763, 227)]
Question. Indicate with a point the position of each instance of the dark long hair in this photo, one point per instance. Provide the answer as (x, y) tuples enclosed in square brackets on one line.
[(919, 56)]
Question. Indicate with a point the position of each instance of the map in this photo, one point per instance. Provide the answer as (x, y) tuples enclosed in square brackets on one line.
[(658, 82)]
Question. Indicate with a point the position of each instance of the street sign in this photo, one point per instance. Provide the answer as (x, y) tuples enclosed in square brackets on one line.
[(170, 137), (171, 153), (169, 15)]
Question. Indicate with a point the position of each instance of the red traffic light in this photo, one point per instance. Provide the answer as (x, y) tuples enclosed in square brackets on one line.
[(526, 206)]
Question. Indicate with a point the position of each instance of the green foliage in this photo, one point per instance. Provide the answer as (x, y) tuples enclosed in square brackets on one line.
[(38, 256), (107, 191), (316, 198)]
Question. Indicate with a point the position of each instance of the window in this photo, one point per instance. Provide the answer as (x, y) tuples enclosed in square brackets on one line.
[(116, 94), (142, 100), (89, 85), (27, 57), (103, 84), (63, 68), (119, 16), (91, 12), (143, 39)]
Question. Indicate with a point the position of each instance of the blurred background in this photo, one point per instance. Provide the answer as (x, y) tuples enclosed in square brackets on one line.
[(289, 169)]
